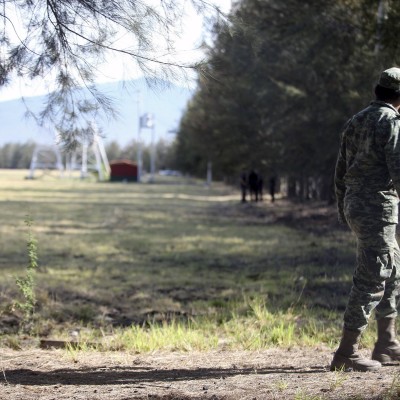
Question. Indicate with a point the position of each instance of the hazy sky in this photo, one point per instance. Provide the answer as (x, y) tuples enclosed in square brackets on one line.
[(114, 69)]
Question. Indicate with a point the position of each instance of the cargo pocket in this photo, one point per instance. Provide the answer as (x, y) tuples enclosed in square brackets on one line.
[(374, 268), (390, 213)]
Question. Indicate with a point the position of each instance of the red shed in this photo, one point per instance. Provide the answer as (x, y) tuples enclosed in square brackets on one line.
[(123, 171)]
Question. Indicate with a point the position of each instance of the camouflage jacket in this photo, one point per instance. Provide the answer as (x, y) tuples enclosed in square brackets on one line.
[(368, 165)]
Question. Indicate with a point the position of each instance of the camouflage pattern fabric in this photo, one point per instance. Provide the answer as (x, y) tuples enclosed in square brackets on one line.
[(367, 180), (390, 78), (377, 274)]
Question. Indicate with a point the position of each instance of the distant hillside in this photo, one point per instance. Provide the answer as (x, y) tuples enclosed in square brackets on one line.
[(167, 105)]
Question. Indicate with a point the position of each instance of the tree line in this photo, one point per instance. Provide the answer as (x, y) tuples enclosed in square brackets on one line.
[(281, 80), (19, 155)]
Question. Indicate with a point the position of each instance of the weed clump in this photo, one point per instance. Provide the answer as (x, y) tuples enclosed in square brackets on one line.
[(26, 283)]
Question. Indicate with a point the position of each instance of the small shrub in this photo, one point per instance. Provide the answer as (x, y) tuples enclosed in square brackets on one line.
[(26, 284)]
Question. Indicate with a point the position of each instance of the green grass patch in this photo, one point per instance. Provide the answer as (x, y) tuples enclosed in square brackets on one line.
[(171, 265)]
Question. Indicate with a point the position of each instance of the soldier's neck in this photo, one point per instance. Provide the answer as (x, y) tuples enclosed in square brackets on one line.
[(395, 104)]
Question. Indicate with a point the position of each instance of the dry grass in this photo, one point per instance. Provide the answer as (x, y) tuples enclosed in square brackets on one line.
[(113, 255)]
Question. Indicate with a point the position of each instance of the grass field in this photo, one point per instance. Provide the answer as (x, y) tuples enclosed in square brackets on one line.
[(171, 265)]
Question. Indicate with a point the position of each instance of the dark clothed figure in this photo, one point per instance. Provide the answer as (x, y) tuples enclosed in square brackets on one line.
[(253, 185), (260, 187), (272, 184), (243, 186)]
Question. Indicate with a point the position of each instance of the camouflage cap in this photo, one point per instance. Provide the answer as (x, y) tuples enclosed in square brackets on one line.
[(390, 78)]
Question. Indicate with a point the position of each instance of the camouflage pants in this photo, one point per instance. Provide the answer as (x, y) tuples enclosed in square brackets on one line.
[(376, 277)]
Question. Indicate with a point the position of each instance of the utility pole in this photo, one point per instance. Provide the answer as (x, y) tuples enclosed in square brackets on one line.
[(146, 121), (139, 149), (152, 154), (209, 174)]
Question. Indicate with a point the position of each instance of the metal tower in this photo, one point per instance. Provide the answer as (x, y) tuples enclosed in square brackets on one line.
[(89, 156), (46, 157)]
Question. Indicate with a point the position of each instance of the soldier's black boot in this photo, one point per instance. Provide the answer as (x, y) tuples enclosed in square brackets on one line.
[(347, 358), (387, 347)]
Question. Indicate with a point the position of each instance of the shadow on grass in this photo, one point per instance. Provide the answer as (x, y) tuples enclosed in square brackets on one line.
[(137, 375), (127, 262)]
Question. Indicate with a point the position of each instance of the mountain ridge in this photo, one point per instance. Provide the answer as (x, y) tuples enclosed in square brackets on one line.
[(166, 101)]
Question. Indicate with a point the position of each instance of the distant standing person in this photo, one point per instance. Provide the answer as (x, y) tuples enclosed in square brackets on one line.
[(367, 183), (260, 187), (272, 184), (253, 185), (243, 185)]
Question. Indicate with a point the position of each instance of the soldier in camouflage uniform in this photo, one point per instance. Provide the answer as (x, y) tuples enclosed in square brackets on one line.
[(367, 183)]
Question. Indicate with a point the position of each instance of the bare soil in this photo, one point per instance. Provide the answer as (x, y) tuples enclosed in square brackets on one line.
[(296, 373)]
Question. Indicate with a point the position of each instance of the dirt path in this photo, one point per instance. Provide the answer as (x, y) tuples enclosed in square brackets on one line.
[(300, 374)]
